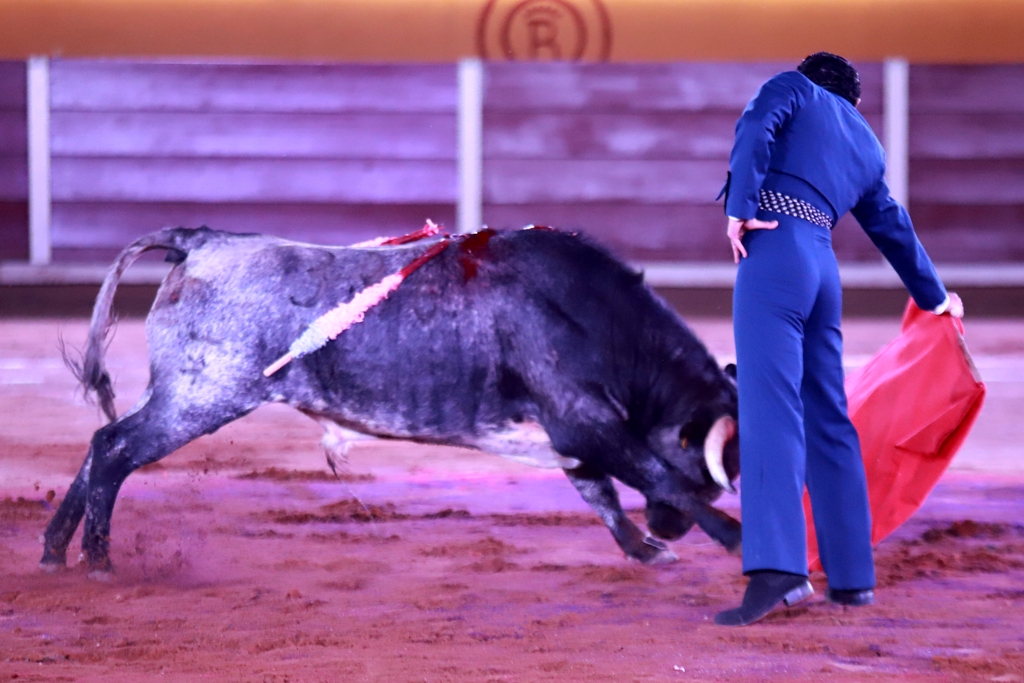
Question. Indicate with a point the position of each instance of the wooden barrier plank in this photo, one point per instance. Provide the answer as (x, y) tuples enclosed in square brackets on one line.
[(167, 86), (13, 230), (967, 161), (12, 85), (315, 150), (13, 178), (965, 233), (973, 181), (995, 88), (680, 86), (13, 162), (261, 135), (553, 86), (516, 181), (132, 179), (14, 134), (851, 244), (82, 230), (987, 246), (597, 135), (977, 135)]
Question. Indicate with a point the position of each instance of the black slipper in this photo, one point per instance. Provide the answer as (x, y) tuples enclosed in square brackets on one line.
[(766, 590)]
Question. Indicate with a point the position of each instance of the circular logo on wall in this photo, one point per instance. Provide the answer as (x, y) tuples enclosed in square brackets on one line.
[(544, 30)]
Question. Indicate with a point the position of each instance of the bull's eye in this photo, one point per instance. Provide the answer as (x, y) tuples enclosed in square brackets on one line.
[(685, 442)]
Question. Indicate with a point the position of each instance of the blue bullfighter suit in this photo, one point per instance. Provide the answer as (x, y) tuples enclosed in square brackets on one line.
[(804, 156)]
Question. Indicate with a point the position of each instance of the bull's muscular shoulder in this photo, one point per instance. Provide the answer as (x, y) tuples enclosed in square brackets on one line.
[(566, 254)]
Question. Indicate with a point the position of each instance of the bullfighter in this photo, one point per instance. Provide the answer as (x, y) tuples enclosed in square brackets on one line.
[(804, 156)]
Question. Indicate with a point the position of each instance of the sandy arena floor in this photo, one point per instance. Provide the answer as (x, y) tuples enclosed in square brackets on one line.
[(240, 558)]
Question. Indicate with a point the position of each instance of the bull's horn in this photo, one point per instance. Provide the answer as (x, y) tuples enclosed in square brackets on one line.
[(714, 445)]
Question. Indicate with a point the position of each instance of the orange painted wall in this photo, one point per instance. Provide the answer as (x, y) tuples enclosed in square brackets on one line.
[(962, 31)]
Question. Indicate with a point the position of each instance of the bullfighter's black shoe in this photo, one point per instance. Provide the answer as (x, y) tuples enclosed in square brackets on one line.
[(767, 588), (851, 598)]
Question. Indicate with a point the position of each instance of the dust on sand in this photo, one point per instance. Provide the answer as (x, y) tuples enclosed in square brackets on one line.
[(242, 558)]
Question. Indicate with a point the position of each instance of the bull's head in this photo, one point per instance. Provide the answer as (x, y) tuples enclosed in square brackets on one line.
[(703, 450), (705, 457), (700, 443)]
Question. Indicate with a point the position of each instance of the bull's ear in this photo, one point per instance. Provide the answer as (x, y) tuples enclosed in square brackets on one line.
[(730, 370)]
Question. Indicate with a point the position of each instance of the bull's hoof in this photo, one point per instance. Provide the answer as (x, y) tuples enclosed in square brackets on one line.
[(99, 569), (735, 544), (662, 557), (101, 575), (732, 538), (48, 567), (654, 551), (53, 561)]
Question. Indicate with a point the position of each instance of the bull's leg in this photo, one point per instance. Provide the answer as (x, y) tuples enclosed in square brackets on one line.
[(596, 488), (666, 522), (122, 447), (62, 527), (601, 442), (650, 476), (715, 523)]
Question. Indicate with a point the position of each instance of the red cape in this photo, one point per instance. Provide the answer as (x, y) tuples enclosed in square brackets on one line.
[(913, 405)]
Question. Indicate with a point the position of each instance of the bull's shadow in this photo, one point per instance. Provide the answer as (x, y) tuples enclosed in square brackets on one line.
[(533, 344)]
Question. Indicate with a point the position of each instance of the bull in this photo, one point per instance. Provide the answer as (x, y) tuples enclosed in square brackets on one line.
[(533, 344)]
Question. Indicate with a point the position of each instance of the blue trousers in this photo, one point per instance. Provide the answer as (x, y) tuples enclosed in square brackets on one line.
[(793, 420)]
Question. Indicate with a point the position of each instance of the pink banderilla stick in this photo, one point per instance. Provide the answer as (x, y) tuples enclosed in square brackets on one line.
[(338, 319), (429, 230)]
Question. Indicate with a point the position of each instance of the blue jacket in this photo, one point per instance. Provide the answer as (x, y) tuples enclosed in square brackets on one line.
[(800, 139)]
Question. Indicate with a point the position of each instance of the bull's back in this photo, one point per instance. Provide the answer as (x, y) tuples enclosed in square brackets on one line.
[(465, 342)]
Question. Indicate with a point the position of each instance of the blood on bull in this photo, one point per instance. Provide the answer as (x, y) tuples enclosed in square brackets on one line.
[(535, 344)]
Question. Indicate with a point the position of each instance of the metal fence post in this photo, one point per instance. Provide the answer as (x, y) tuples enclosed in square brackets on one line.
[(896, 84), (38, 101), (469, 213)]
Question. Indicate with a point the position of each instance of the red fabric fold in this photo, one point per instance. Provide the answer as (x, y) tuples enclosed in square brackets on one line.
[(913, 405)]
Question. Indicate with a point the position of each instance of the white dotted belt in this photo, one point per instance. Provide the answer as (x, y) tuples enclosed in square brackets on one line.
[(791, 206)]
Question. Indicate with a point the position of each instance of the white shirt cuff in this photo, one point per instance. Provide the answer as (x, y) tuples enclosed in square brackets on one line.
[(941, 308)]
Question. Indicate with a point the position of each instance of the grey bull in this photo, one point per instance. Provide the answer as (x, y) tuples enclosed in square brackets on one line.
[(533, 344)]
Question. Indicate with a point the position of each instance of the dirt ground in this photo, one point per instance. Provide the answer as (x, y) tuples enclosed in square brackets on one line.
[(240, 558)]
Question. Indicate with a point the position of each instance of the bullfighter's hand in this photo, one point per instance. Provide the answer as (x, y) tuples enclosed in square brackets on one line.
[(737, 228), (956, 306)]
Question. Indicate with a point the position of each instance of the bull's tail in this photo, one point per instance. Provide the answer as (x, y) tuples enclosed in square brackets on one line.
[(90, 369)]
